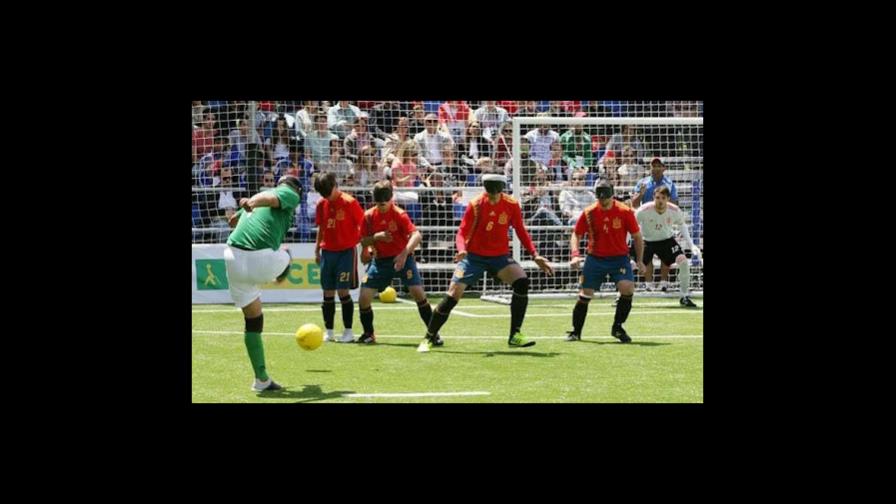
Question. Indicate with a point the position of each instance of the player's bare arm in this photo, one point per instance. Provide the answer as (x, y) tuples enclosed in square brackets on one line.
[(262, 199), (577, 258), (639, 250), (400, 259)]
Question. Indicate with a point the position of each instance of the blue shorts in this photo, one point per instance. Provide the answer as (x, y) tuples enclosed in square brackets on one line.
[(470, 269), (339, 270), (596, 270), (380, 273)]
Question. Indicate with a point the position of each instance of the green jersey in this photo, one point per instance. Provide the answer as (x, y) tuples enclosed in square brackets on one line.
[(265, 227)]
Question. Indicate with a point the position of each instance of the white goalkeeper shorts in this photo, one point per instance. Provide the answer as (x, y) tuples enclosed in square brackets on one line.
[(248, 270)]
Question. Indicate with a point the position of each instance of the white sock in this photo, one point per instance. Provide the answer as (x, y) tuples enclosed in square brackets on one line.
[(684, 278)]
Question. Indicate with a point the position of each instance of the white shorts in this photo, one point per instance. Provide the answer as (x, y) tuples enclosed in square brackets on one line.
[(248, 270)]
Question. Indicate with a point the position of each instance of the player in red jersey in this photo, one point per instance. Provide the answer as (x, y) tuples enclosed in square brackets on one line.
[(338, 217), (482, 245), (606, 224), (394, 237)]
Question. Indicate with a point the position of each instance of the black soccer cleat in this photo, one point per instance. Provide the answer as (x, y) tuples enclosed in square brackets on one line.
[(437, 340), (620, 334), (367, 339), (686, 301), (282, 276), (572, 336)]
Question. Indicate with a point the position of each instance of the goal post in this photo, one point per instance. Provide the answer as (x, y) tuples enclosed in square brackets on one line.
[(677, 141)]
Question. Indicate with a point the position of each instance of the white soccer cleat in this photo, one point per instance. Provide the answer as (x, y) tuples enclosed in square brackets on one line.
[(261, 386), (329, 336), (347, 336)]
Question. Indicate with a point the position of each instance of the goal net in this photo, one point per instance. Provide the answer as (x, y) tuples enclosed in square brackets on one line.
[(435, 153)]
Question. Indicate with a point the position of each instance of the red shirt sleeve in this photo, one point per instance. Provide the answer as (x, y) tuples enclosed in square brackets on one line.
[(465, 230), (358, 215), (632, 223), (582, 225), (319, 213), (520, 229)]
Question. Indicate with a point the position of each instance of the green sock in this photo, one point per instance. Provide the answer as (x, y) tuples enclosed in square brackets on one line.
[(256, 354)]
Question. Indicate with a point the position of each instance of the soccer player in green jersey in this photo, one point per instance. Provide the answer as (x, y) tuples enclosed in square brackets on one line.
[(253, 258)]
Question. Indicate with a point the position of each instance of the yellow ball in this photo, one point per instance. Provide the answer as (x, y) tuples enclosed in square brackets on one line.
[(309, 337), (388, 295)]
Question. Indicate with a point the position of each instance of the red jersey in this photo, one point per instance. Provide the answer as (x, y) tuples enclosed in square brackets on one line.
[(483, 231), (396, 221), (606, 229), (339, 222)]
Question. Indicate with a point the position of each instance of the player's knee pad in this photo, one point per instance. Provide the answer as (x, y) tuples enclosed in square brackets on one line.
[(255, 324), (521, 286), (446, 305)]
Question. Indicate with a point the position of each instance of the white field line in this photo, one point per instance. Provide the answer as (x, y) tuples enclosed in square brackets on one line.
[(420, 394)]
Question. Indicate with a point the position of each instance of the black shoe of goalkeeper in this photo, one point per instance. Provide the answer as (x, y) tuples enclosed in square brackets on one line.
[(571, 336), (620, 334), (437, 341), (686, 301), (367, 339)]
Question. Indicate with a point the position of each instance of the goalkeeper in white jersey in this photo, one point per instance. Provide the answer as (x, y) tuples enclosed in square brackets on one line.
[(656, 220)]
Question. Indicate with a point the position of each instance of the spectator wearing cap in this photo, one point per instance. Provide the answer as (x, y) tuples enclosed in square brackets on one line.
[(453, 118), (359, 138), (341, 117), (490, 117), (540, 141), (628, 137), (317, 143), (577, 147), (430, 142), (645, 187)]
